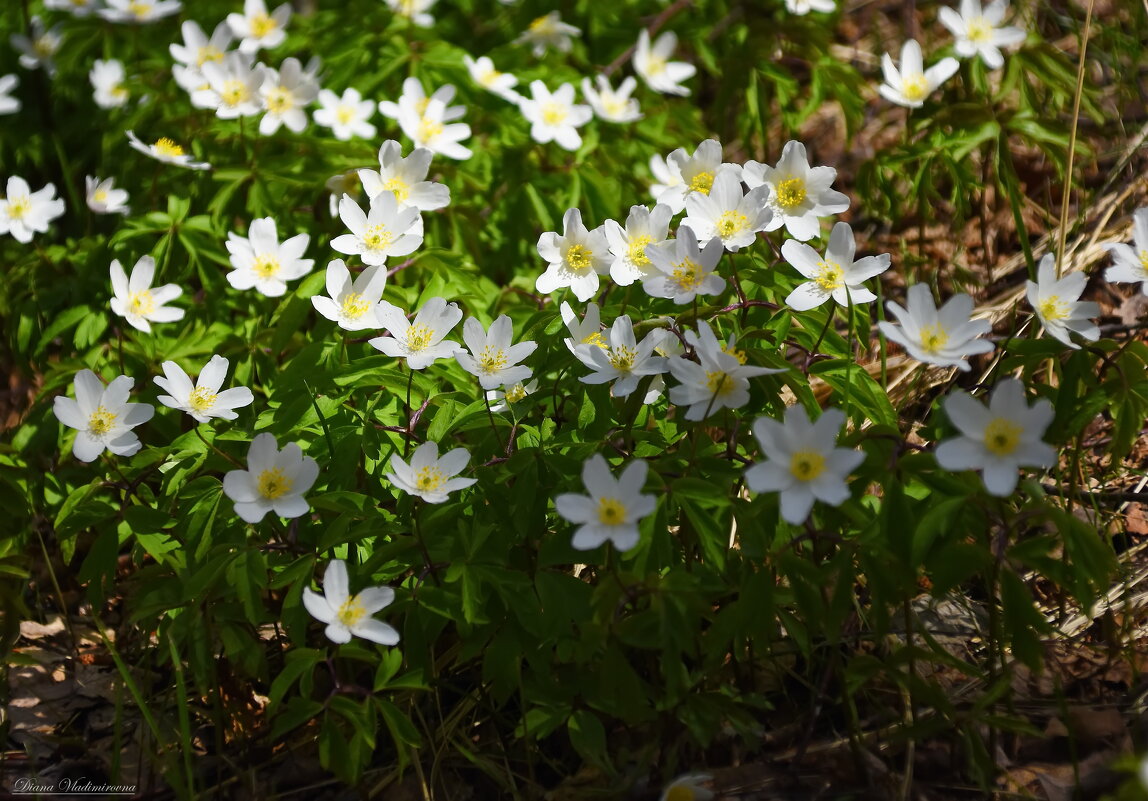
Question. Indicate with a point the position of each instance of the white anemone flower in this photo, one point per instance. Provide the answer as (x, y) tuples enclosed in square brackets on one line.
[(609, 104), (203, 400), (197, 49), (1130, 265), (167, 151), (718, 380), (420, 341), (685, 174), (1058, 306), (345, 183), (107, 79), (415, 99), (40, 48), (612, 508), (999, 439), (430, 476), (232, 87), (667, 175), (652, 62), (139, 11), (274, 481), (802, 462), (405, 178), (548, 31), (9, 104), (483, 73), (431, 130), (945, 336), (353, 304), (417, 11), (555, 117), (803, 7), (727, 213), (383, 231), (502, 399), (102, 197), (681, 270), (644, 228), (799, 194), (136, 301), (575, 258), (285, 93), (24, 213), (978, 30), (912, 83), (490, 356), (625, 361), (261, 261), (78, 8), (836, 275), (256, 28), (102, 416), (688, 788), (587, 331), (349, 615), (347, 116)]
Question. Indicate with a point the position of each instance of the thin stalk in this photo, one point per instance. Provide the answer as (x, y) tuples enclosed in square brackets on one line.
[(213, 446), (1072, 138), (411, 413), (490, 416)]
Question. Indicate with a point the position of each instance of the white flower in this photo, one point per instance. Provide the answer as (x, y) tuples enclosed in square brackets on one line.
[(728, 214), (8, 104), (202, 400), (1058, 306), (945, 337), (79, 8), (1000, 439), (256, 28), (910, 85), (625, 361), (836, 276), (555, 117), (405, 178), (24, 212), (610, 105), (414, 10), (654, 65), (491, 357), (346, 614), (197, 49), (107, 79), (430, 129), (612, 509), (667, 175), (483, 73), (284, 94), (136, 301), (352, 304), (575, 259), (261, 261), (345, 183), (548, 31), (346, 116), (421, 341), (681, 270), (803, 7), (232, 88), (1128, 265), (1142, 772), (799, 194), (501, 399), (385, 231), (688, 788), (274, 481), (430, 476), (629, 245), (39, 49), (719, 380), (688, 174), (978, 33), (167, 151), (587, 331), (103, 197), (802, 463), (414, 98), (139, 11), (102, 416)]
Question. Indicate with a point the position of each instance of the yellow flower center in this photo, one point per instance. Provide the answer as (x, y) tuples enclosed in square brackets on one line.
[(419, 337), (421, 105), (429, 478), (655, 65), (266, 265), (351, 612), (933, 338), (730, 223), (611, 511), (595, 339), (516, 393), (637, 250), (702, 182), (43, 47), (492, 359), (829, 276), (1053, 308), (400, 188), (488, 78), (201, 399), (118, 92), (613, 106), (1002, 436), (622, 358), (687, 275), (261, 25), (273, 484), (140, 10), (914, 87), (141, 303), (554, 113), (354, 306), (429, 129), (377, 237), (578, 258), (100, 421), (790, 193), (280, 100), (100, 196), (345, 114), (806, 465), (166, 147), (1144, 260), (979, 30), (208, 53), (737, 354), (542, 25), (19, 206), (719, 382), (234, 92)]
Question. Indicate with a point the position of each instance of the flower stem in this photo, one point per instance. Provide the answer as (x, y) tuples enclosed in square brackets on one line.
[(490, 416)]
